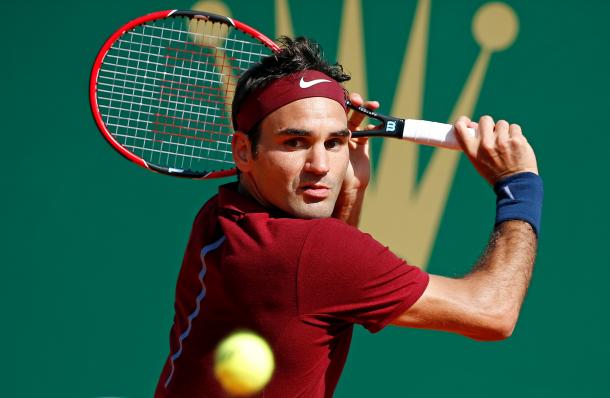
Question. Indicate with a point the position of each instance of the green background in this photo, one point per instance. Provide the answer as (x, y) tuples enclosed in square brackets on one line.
[(91, 244)]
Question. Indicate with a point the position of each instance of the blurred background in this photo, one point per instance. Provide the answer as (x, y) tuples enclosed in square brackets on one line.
[(92, 244)]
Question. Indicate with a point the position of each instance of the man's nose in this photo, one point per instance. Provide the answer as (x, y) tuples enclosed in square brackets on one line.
[(317, 160)]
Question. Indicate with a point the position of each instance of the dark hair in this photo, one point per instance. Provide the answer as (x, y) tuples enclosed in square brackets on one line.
[(295, 55)]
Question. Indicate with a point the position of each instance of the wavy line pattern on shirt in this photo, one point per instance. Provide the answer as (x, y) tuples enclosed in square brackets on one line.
[(206, 249)]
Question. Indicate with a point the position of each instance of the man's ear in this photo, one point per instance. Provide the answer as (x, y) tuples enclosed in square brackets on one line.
[(242, 151)]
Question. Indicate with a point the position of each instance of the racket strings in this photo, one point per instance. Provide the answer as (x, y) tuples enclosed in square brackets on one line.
[(165, 90)]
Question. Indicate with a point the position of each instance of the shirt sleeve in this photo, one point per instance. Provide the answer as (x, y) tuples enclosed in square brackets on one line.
[(346, 274)]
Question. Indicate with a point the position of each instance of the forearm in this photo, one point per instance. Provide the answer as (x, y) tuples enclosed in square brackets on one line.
[(349, 203), (349, 207), (484, 305), (502, 275)]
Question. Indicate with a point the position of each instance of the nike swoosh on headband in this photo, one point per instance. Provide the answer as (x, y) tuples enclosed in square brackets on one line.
[(304, 84)]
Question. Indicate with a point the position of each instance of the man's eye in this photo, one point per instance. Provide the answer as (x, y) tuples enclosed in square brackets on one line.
[(333, 144), (294, 143)]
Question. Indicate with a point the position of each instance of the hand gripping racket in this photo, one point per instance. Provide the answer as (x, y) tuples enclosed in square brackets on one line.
[(162, 85)]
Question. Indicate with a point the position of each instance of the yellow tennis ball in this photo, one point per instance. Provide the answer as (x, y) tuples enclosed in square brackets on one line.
[(243, 363)]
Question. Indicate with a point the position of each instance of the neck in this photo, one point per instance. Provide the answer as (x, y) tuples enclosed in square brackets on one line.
[(248, 187)]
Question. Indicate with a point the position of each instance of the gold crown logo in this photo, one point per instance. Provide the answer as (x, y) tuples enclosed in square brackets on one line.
[(394, 194)]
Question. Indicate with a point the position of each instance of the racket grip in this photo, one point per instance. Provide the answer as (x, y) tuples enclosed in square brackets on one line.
[(432, 133)]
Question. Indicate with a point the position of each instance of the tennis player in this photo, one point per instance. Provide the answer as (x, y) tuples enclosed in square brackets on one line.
[(278, 252)]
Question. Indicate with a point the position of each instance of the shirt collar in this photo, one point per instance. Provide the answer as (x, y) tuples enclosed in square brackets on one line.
[(229, 198)]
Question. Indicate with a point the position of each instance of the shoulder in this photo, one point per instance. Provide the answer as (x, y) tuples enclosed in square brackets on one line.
[(204, 224), (335, 226), (306, 229), (341, 236), (333, 243), (209, 207)]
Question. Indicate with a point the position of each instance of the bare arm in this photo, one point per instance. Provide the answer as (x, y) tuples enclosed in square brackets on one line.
[(485, 304), (349, 203), (349, 206)]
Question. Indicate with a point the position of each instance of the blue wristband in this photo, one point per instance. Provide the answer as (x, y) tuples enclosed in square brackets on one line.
[(519, 197)]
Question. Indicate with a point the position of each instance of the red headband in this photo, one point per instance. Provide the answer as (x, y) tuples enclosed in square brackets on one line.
[(287, 89)]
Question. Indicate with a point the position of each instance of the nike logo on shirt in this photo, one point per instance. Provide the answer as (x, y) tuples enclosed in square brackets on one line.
[(304, 84)]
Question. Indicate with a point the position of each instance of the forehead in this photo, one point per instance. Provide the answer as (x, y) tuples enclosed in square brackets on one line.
[(315, 114)]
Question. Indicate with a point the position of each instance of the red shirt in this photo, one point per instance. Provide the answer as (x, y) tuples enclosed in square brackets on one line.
[(301, 284)]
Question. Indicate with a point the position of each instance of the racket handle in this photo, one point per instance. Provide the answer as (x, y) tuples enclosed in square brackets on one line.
[(432, 133)]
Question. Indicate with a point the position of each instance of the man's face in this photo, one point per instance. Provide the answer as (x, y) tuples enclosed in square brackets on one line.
[(301, 158)]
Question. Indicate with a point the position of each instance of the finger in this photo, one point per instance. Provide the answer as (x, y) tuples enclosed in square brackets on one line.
[(487, 134), (353, 124), (519, 142), (502, 136), (355, 99), (468, 143), (356, 118), (372, 105), (516, 137), (368, 127), (358, 142), (465, 119), (514, 130)]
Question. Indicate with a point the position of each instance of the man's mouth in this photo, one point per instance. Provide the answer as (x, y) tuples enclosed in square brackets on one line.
[(315, 191)]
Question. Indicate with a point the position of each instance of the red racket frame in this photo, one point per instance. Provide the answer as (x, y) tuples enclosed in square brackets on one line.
[(102, 54)]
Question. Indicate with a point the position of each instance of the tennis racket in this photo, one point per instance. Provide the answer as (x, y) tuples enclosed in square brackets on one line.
[(162, 85)]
